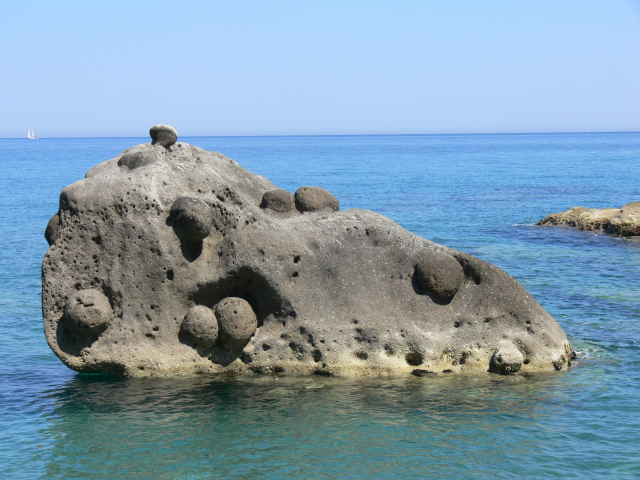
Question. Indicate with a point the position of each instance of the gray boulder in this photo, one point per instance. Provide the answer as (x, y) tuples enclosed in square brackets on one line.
[(171, 267)]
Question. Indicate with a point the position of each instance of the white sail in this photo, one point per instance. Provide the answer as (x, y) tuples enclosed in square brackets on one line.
[(31, 135)]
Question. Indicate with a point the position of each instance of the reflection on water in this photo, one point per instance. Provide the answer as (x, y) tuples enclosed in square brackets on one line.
[(277, 427)]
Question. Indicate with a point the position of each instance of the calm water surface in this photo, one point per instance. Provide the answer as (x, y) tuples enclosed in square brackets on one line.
[(476, 193)]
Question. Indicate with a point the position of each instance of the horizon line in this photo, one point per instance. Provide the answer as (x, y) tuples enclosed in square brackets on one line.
[(342, 135)]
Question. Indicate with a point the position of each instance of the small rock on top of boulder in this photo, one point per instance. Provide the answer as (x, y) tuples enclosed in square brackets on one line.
[(163, 135)]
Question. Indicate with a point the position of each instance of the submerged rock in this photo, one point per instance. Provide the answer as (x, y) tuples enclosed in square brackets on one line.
[(622, 222), (169, 262)]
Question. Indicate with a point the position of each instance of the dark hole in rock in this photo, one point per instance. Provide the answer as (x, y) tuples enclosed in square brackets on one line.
[(250, 286), (69, 341), (191, 250), (469, 268), (422, 373), (296, 259), (295, 347), (414, 358), (266, 346), (169, 274), (323, 373), (317, 355), (362, 355)]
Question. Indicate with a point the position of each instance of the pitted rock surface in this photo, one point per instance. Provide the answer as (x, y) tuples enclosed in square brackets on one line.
[(137, 282), (200, 327), (506, 359), (237, 321)]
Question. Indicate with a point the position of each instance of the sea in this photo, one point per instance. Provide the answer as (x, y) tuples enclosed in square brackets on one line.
[(481, 194)]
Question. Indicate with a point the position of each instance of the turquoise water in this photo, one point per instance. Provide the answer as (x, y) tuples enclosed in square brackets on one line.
[(476, 193)]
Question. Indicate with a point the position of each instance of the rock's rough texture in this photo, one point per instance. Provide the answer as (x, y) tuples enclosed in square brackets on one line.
[(623, 222), (172, 267), (200, 327), (506, 359), (237, 321)]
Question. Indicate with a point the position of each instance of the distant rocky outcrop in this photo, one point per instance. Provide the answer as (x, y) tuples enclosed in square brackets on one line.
[(171, 260), (622, 222)]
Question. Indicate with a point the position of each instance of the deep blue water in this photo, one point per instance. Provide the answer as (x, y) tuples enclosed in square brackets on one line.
[(476, 193)]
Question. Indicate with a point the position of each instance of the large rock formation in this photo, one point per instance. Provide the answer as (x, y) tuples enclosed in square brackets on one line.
[(170, 260), (622, 222)]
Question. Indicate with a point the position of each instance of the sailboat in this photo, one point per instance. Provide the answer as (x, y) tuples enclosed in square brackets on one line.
[(31, 135)]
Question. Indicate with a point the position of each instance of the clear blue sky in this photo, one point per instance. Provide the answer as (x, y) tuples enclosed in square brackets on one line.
[(269, 67)]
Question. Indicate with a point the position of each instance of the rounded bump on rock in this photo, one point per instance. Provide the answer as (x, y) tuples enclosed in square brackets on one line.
[(315, 199), (441, 274), (506, 359), (52, 231), (200, 326), (192, 218), (278, 200), (164, 135), (137, 159), (237, 321), (88, 312)]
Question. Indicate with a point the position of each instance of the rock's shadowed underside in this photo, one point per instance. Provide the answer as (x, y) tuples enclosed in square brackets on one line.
[(171, 260), (621, 222)]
